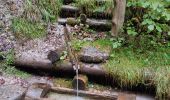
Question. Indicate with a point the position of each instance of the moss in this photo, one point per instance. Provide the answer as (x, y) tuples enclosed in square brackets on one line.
[(72, 21), (102, 44), (26, 29), (62, 82)]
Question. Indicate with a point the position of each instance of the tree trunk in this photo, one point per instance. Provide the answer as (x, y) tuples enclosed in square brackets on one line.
[(118, 16)]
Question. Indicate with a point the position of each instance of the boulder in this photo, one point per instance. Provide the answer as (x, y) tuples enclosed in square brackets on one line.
[(93, 55)]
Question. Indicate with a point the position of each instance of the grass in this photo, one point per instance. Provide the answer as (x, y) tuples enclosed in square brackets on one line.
[(7, 68), (94, 6), (46, 10), (130, 68), (37, 14), (26, 29), (102, 44)]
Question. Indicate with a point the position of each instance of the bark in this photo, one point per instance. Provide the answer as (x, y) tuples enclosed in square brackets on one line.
[(118, 16), (37, 60), (82, 82)]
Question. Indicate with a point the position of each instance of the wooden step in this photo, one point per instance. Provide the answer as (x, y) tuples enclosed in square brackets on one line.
[(67, 1), (62, 21), (99, 25), (96, 24), (69, 11)]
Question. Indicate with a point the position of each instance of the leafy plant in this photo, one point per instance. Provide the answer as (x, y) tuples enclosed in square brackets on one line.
[(147, 22)]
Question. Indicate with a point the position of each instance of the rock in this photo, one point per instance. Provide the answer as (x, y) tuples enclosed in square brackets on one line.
[(54, 56), (12, 92), (1, 24), (37, 90), (92, 55), (72, 21)]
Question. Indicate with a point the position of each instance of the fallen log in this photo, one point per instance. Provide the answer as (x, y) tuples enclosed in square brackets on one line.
[(36, 59), (101, 96)]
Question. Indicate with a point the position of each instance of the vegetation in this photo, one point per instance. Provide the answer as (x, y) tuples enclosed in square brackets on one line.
[(146, 24), (141, 53), (94, 6), (36, 15), (27, 29), (7, 68)]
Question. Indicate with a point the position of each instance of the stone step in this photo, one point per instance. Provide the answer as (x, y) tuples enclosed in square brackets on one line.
[(96, 24)]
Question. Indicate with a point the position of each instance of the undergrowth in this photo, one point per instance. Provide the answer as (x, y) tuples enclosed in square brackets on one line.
[(27, 29), (89, 6), (7, 68), (36, 17)]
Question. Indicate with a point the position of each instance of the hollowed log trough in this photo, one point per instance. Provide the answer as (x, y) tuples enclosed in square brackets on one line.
[(44, 90)]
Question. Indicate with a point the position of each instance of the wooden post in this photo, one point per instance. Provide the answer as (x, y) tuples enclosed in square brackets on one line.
[(118, 16), (82, 82)]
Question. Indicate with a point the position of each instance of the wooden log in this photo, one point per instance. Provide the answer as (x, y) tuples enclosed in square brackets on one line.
[(36, 59), (93, 95), (69, 11), (82, 82), (99, 25), (67, 1)]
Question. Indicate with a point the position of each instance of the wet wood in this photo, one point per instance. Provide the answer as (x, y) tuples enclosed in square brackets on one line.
[(82, 82), (100, 96), (123, 96)]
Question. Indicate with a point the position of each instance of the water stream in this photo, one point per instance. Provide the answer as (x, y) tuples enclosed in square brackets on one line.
[(72, 56)]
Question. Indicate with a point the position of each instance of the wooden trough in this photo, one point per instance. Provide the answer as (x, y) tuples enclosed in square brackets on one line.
[(44, 90)]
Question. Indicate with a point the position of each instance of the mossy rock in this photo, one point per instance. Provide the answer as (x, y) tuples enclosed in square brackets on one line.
[(72, 21)]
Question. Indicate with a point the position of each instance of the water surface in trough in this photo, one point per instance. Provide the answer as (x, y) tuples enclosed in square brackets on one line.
[(56, 96)]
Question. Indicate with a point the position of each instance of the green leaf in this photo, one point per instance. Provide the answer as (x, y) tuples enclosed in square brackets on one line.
[(158, 29), (151, 27), (169, 33)]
